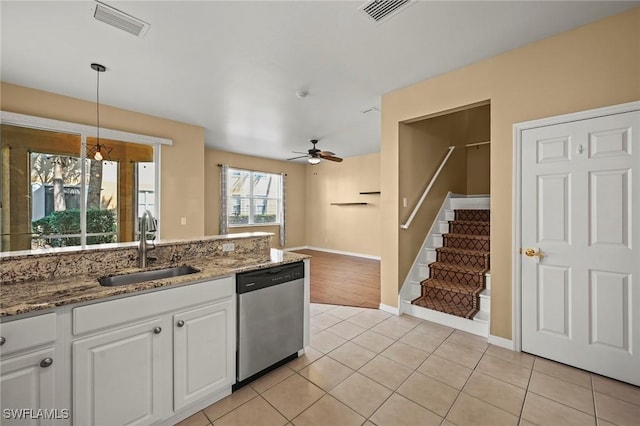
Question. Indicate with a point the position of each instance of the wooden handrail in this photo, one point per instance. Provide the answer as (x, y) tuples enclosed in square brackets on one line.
[(426, 191)]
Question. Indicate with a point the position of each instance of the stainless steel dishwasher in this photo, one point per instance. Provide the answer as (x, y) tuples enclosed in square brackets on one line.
[(270, 319)]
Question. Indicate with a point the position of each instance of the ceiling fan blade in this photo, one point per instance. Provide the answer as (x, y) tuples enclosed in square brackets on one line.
[(327, 153), (301, 156), (299, 152), (331, 158)]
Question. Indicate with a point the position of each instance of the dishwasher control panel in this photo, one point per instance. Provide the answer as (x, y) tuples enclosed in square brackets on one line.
[(255, 280)]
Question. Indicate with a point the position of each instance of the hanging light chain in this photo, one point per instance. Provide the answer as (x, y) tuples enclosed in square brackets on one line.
[(98, 68)]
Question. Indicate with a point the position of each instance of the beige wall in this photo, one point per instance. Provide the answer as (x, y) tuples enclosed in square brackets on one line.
[(295, 194), (479, 170), (182, 170), (354, 229), (589, 67)]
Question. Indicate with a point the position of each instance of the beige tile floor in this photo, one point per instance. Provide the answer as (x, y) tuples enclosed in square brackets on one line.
[(367, 367)]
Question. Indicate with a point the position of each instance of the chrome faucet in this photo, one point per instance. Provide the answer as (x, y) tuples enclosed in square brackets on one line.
[(147, 224)]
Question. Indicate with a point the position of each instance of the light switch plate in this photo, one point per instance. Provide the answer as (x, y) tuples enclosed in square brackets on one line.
[(228, 247)]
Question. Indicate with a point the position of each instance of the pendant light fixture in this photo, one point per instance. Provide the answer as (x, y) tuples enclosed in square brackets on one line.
[(99, 152)]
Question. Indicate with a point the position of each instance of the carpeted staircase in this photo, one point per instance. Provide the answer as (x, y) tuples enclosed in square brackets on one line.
[(457, 277)]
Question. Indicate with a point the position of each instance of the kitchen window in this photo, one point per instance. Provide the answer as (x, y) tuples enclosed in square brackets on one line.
[(57, 193), (253, 198)]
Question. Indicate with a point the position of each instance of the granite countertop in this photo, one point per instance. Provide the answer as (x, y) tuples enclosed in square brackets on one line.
[(25, 297)]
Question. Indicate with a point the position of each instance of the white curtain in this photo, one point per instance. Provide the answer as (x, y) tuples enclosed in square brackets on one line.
[(283, 227), (223, 199)]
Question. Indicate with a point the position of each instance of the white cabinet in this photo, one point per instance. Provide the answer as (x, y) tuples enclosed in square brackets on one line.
[(27, 372), (203, 352), (142, 359), (27, 382), (117, 376)]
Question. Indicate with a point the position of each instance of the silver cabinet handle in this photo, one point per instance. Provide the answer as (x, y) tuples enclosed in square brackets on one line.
[(47, 362), (180, 323), (157, 330), (2, 340)]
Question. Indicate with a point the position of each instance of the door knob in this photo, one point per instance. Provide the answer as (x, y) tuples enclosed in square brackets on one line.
[(157, 330), (180, 323), (531, 252), (47, 362)]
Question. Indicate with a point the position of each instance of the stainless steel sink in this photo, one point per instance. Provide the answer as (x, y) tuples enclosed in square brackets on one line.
[(140, 277)]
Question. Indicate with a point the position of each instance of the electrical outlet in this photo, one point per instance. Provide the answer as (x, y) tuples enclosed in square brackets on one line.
[(183, 221), (228, 247)]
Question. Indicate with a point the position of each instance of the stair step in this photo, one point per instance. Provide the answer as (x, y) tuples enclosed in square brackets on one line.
[(475, 258), (467, 242), (469, 203), (466, 301), (451, 286), (455, 267), (450, 308), (457, 273), (473, 214), (471, 227)]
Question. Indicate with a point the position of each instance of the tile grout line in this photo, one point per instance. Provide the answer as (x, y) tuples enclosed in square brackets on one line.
[(593, 395), (465, 382), (526, 391)]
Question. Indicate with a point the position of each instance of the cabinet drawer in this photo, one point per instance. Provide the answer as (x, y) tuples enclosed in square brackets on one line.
[(99, 316), (28, 333)]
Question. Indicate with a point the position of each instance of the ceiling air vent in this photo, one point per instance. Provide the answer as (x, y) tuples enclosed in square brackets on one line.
[(115, 18), (379, 10)]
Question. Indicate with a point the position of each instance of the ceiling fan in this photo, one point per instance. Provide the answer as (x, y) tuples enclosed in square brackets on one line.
[(315, 155)]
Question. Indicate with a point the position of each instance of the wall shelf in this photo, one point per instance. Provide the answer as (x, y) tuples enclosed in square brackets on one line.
[(349, 204), (370, 193)]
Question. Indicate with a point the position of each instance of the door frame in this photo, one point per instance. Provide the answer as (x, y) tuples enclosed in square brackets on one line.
[(516, 233)]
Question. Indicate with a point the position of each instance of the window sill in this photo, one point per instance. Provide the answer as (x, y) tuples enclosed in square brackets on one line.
[(253, 225)]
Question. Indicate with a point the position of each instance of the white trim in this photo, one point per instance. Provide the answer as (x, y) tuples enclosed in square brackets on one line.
[(295, 248), (65, 126), (500, 341), (479, 328), (516, 262), (345, 253), (157, 158), (390, 309)]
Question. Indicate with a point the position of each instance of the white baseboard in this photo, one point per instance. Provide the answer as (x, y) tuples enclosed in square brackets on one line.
[(501, 341), (479, 328), (345, 253), (391, 309), (295, 248)]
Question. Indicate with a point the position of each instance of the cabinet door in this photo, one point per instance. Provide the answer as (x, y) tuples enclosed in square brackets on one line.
[(203, 351), (27, 385), (117, 376)]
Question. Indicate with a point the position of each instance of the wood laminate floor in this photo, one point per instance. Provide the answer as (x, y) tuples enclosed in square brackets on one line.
[(344, 280)]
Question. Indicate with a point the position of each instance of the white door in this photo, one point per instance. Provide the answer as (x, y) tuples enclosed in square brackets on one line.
[(580, 210)]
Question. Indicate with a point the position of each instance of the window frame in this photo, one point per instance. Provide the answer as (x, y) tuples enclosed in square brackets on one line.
[(252, 198), (85, 131)]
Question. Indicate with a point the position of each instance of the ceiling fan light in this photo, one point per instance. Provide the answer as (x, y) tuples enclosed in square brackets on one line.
[(313, 160)]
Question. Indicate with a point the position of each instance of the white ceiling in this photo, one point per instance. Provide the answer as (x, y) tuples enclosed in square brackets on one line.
[(234, 67)]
